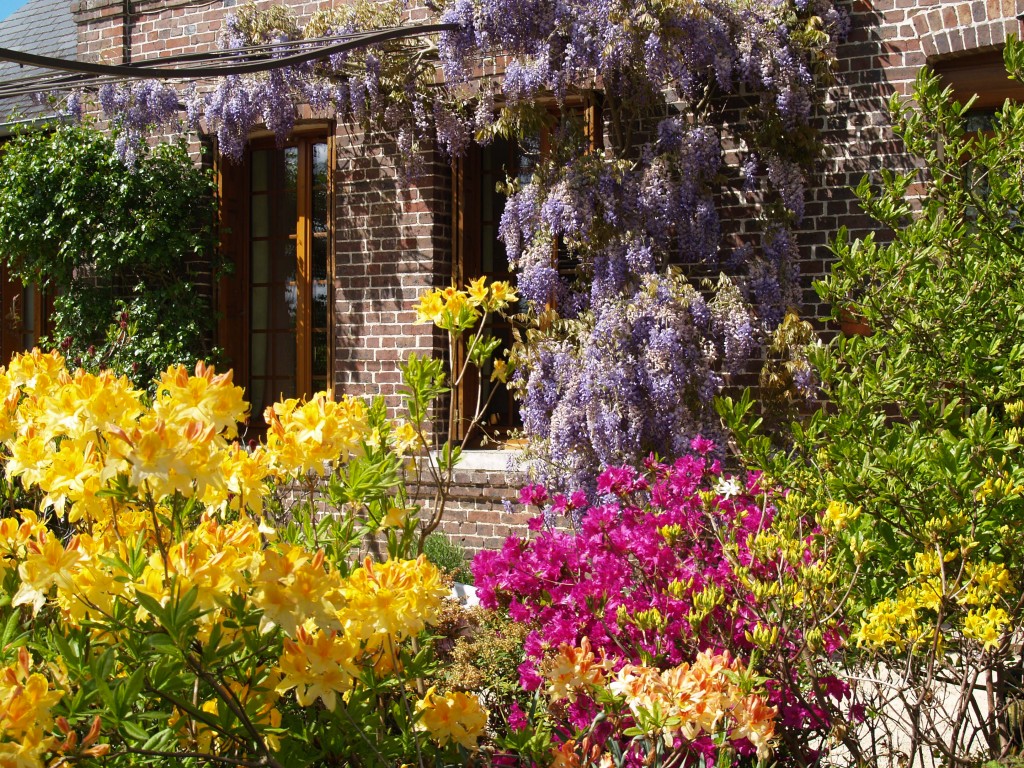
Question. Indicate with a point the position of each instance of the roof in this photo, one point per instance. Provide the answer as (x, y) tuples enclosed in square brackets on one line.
[(44, 27)]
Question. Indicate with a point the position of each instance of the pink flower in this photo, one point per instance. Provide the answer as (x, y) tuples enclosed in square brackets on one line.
[(533, 494), (702, 445), (517, 719)]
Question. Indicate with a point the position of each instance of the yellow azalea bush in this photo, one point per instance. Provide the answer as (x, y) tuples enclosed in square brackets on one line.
[(169, 619)]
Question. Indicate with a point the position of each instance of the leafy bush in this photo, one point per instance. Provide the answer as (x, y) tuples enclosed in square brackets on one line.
[(448, 556), (916, 464), (120, 246), (151, 613)]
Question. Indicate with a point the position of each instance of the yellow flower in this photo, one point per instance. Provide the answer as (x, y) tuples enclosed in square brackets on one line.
[(395, 517), (500, 371), (838, 515), (35, 370), (452, 717), (293, 586), (307, 435), (502, 294), (406, 437), (318, 666), (207, 397), (477, 291), (429, 307), (47, 563), (394, 599), (986, 628)]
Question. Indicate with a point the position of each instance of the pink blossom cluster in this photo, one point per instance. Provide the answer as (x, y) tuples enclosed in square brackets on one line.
[(659, 568)]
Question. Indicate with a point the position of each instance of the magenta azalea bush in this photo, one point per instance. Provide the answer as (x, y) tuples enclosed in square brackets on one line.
[(670, 570)]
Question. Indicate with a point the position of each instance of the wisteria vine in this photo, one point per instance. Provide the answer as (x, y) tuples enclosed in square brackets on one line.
[(617, 237)]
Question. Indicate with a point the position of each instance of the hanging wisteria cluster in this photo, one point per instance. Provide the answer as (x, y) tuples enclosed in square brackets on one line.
[(614, 216), (597, 234)]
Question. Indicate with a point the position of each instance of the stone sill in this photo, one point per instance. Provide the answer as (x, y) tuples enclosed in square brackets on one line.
[(485, 460)]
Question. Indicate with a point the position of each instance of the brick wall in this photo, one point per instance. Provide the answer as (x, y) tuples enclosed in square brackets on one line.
[(394, 239), (889, 41)]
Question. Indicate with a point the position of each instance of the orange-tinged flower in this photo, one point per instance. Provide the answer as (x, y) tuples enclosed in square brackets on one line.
[(293, 587), (26, 701), (754, 721), (307, 435), (564, 755), (572, 670), (455, 717), (208, 397), (47, 563)]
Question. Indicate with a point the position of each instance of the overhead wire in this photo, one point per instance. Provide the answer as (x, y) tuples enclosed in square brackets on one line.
[(68, 74)]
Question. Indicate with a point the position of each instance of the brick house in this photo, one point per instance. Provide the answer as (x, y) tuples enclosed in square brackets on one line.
[(330, 248)]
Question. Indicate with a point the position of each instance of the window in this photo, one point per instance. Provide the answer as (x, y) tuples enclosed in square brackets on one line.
[(276, 329), (479, 252), (24, 313), (478, 206), (984, 75)]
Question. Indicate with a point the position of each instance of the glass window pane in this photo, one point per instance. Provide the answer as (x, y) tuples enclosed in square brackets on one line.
[(289, 210), (260, 216), (28, 315), (320, 169), (319, 354), (319, 304), (259, 404), (284, 312), (291, 167), (260, 168), (319, 260), (258, 354), (261, 261), (320, 209), (283, 363), (284, 261), (260, 308)]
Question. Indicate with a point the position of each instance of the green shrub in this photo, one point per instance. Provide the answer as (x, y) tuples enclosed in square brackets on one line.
[(916, 462), (448, 556), (122, 248)]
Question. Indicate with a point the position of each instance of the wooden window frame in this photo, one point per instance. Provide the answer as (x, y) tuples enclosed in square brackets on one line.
[(467, 242), (234, 300), (13, 295), (981, 74)]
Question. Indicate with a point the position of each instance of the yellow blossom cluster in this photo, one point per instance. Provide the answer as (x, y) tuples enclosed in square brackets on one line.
[(378, 606), (75, 435), (26, 701), (455, 310), (306, 436), (454, 717), (977, 588), (120, 468), (838, 515)]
